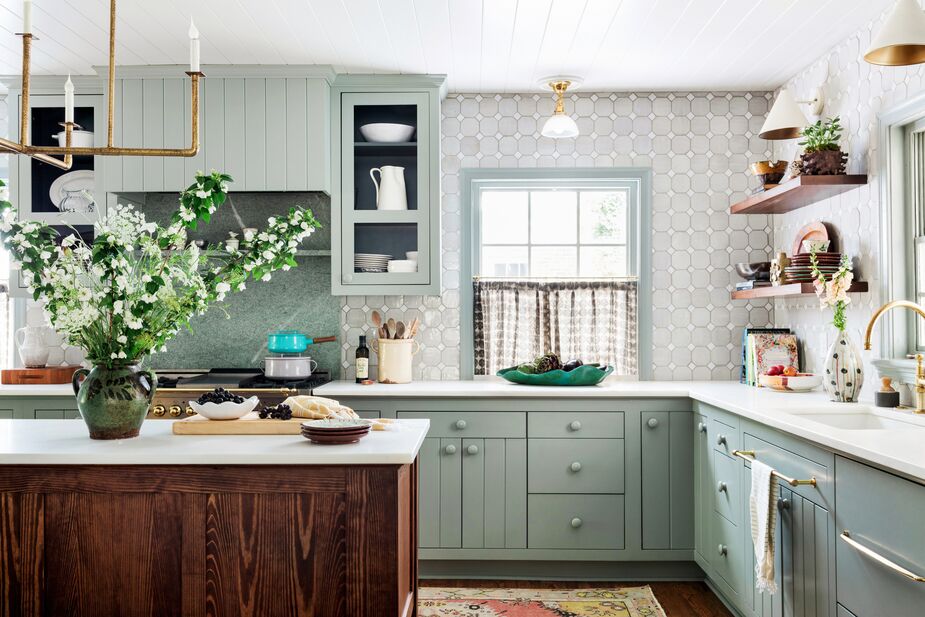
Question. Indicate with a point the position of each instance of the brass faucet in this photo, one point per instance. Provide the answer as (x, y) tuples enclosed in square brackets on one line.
[(919, 390)]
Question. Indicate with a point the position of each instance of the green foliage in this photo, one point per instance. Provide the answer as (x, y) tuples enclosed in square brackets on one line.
[(822, 136)]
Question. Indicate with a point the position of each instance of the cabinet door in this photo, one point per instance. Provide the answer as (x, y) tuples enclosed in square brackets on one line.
[(805, 533), (703, 485), (755, 603), (667, 491), (494, 493), (440, 493)]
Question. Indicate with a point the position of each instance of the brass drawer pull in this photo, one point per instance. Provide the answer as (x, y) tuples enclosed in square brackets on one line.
[(749, 455), (846, 536)]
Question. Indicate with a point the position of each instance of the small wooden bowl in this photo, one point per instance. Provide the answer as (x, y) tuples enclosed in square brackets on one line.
[(768, 172)]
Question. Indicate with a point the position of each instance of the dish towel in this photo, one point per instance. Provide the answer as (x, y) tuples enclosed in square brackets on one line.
[(761, 503)]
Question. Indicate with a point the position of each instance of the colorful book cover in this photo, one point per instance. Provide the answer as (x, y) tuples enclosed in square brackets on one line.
[(745, 332), (773, 350)]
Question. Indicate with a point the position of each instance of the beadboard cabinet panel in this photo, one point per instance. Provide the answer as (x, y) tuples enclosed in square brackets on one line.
[(153, 132), (255, 132), (133, 176), (235, 142), (667, 490), (213, 124), (175, 136)]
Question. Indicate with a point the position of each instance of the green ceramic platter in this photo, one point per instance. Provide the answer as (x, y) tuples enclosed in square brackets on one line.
[(582, 376)]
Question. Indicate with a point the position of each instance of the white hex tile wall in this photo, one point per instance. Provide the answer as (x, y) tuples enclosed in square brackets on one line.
[(857, 92), (699, 146)]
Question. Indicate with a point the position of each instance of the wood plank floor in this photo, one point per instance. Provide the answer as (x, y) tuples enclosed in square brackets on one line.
[(679, 599)]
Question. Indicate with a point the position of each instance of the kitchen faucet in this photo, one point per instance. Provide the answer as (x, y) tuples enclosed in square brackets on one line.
[(919, 390)]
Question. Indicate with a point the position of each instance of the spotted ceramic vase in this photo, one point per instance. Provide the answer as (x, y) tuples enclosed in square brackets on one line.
[(844, 371), (114, 401)]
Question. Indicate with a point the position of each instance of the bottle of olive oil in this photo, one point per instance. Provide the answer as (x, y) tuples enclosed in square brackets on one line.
[(362, 361)]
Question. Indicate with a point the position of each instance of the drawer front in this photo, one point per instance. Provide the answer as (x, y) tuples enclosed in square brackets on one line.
[(882, 513), (576, 424), (472, 423), (723, 437), (575, 465), (727, 494), (575, 521), (793, 466), (728, 553)]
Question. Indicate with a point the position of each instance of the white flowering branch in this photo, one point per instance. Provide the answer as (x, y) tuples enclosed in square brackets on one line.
[(130, 291), (834, 292)]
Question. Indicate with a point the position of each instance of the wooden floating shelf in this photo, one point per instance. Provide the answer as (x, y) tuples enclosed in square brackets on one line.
[(800, 192), (790, 289)]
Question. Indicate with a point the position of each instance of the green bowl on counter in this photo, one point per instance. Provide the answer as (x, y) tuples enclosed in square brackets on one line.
[(585, 375)]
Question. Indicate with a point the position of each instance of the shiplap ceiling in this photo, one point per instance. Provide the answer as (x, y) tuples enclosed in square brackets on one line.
[(482, 45)]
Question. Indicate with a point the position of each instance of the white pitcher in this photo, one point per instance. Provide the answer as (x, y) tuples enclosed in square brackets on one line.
[(390, 189), (32, 348)]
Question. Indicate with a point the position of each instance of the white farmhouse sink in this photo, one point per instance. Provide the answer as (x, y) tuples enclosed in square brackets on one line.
[(860, 419)]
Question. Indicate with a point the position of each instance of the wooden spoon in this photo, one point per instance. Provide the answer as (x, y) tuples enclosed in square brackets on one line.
[(413, 328), (377, 319), (391, 327), (400, 329)]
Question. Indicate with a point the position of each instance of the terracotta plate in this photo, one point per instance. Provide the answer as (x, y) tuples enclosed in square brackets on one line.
[(813, 231)]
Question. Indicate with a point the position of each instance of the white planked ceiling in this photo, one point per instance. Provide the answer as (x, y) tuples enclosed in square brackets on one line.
[(482, 45)]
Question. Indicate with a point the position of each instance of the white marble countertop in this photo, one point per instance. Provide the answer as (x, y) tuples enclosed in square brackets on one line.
[(66, 442), (58, 389), (896, 447)]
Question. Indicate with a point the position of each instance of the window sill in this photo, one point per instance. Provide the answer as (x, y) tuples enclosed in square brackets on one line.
[(901, 370)]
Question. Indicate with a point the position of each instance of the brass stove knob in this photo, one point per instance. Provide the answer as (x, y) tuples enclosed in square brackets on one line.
[(190, 411), (175, 411), (158, 410)]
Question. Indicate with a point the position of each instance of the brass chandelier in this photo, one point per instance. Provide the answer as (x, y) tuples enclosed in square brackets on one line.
[(48, 154)]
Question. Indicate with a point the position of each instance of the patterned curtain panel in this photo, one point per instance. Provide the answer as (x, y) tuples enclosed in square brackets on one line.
[(516, 321)]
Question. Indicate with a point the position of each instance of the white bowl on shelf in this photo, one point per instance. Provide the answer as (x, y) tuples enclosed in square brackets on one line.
[(402, 265), (411, 255), (225, 411), (386, 132)]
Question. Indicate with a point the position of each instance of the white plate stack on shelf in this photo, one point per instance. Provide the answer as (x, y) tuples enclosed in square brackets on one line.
[(405, 265), (371, 262)]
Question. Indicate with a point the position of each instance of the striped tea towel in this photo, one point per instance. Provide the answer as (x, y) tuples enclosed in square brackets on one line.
[(761, 503)]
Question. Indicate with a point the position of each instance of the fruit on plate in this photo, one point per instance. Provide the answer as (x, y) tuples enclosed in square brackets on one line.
[(780, 369), (791, 372), (526, 368), (571, 365), (547, 362), (801, 382)]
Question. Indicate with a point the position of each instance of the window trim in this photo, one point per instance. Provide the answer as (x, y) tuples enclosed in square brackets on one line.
[(639, 182)]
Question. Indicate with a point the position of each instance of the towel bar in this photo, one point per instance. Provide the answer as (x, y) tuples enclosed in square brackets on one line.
[(749, 455)]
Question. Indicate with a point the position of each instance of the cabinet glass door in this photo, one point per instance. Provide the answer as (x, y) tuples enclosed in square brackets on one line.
[(385, 188)]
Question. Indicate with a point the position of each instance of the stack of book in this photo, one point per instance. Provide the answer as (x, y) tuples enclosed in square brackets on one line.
[(763, 348)]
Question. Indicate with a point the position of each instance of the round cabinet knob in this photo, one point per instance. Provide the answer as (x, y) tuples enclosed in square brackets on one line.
[(701, 427), (723, 550), (461, 424), (575, 425), (721, 440), (450, 449), (721, 487), (158, 410), (576, 466), (576, 522), (652, 422), (473, 449), (348, 278), (190, 411), (783, 504), (175, 411)]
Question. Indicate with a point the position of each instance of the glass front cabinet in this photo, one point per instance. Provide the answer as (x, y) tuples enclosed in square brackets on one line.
[(386, 185)]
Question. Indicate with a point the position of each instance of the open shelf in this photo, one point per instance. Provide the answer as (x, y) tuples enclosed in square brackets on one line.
[(797, 193), (790, 289)]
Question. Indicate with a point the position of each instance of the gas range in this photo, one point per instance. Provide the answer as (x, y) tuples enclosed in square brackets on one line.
[(176, 388)]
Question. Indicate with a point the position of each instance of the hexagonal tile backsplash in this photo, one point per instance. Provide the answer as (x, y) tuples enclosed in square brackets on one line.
[(699, 146)]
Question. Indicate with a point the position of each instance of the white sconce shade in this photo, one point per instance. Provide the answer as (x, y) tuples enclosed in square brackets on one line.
[(901, 40), (785, 120), (560, 126)]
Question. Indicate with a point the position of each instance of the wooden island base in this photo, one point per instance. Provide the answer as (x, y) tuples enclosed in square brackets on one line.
[(261, 541)]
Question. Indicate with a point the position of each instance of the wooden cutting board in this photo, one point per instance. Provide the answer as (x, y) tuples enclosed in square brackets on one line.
[(251, 424), (35, 376)]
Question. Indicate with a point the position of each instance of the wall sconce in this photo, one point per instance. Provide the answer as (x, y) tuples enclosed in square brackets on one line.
[(786, 120)]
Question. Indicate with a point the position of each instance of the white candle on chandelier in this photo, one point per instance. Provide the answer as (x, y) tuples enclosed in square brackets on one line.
[(194, 47), (27, 16), (68, 100)]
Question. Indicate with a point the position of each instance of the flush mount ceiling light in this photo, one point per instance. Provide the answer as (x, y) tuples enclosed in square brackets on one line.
[(901, 40), (560, 125), (786, 120)]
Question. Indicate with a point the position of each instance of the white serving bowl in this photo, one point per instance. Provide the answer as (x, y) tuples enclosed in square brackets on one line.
[(402, 265), (802, 382), (386, 132), (226, 410)]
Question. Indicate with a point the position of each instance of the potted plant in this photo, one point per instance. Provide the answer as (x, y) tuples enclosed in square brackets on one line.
[(130, 291), (844, 370), (822, 155)]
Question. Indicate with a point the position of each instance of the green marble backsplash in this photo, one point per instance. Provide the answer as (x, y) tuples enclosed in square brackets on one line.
[(233, 333)]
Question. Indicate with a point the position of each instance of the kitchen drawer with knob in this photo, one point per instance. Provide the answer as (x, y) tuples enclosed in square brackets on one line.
[(575, 465), (500, 424), (727, 495), (879, 542), (723, 437), (575, 521), (727, 554), (580, 425)]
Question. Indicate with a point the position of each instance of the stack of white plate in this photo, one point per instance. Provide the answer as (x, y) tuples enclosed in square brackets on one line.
[(403, 265), (371, 262)]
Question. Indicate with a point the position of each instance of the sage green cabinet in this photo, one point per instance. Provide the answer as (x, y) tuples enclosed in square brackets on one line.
[(270, 130), (576, 521), (576, 466), (703, 481), (667, 489), (440, 493), (359, 226)]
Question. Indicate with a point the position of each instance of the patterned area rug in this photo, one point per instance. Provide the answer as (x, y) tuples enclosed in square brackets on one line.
[(475, 602)]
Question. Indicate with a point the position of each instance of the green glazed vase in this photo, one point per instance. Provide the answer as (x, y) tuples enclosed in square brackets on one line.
[(114, 401)]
